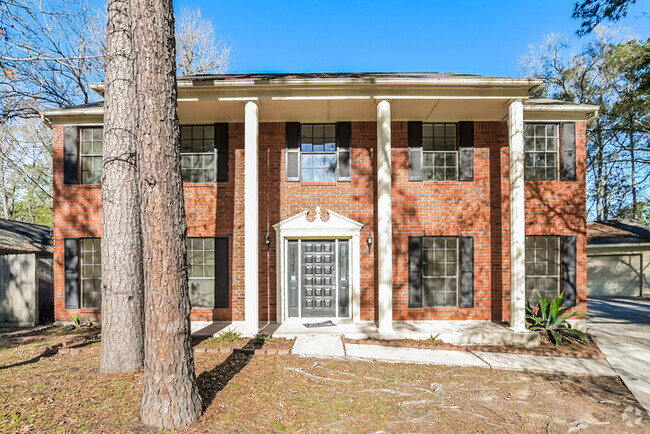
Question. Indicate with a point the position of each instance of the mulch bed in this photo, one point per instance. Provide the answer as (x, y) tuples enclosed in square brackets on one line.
[(569, 348)]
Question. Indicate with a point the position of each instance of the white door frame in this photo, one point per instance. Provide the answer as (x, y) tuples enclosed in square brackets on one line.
[(335, 227)]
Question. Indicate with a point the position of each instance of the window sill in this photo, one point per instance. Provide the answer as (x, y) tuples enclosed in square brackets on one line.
[(315, 184), (88, 186), (204, 184)]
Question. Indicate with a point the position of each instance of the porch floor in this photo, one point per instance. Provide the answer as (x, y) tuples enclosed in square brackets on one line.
[(451, 332)]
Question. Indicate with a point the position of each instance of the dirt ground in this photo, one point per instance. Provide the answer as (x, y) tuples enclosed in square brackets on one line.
[(244, 393), (569, 348)]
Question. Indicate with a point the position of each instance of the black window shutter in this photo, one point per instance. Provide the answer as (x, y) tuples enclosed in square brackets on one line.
[(221, 146), (415, 272), (415, 150), (70, 155), (221, 275), (293, 151), (568, 151), (466, 259), (71, 264), (569, 259), (343, 144), (466, 151)]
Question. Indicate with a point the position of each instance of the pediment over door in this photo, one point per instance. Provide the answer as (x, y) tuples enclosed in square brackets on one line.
[(332, 224)]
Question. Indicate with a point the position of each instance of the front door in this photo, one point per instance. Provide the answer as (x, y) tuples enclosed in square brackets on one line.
[(318, 278)]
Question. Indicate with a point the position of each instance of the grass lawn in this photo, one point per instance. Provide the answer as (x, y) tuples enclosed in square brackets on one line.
[(65, 393)]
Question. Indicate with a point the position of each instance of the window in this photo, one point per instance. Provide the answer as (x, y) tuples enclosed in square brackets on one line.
[(91, 273), (91, 154), (439, 271), (198, 157), (541, 147), (318, 152), (439, 152), (200, 270), (542, 269)]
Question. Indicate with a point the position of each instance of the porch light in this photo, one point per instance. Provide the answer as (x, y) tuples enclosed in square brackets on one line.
[(267, 240), (369, 241)]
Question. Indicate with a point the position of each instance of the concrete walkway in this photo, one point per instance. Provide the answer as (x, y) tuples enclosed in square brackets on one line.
[(622, 330), (333, 347)]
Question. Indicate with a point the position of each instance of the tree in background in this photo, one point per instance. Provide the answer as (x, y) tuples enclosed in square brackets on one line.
[(50, 53), (170, 396), (617, 148), (26, 171), (122, 273), (594, 12), (197, 49)]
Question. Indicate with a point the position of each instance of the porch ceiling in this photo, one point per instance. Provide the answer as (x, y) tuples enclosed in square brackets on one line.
[(358, 109)]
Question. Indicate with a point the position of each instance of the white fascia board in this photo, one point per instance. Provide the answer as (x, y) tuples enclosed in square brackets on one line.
[(73, 112), (583, 108), (617, 245)]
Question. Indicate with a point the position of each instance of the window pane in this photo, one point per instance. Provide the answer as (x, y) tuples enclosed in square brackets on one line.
[(306, 131), (541, 267)]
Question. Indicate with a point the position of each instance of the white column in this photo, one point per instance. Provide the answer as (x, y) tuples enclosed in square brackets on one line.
[(251, 230), (384, 219), (517, 218)]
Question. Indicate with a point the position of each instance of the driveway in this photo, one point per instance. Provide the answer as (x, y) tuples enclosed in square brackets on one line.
[(622, 329)]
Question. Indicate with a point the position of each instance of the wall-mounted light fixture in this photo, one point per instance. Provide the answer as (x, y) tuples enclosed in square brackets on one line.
[(369, 241), (267, 240)]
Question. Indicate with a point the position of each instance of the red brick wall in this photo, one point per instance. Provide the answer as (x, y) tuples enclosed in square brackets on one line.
[(479, 208)]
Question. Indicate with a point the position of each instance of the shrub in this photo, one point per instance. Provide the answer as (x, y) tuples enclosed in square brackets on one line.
[(552, 318), (262, 338), (225, 337)]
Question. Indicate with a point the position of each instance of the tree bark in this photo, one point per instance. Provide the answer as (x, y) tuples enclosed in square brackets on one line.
[(170, 397), (122, 275), (635, 204)]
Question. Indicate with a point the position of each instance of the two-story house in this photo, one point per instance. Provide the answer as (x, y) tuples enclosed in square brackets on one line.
[(354, 197)]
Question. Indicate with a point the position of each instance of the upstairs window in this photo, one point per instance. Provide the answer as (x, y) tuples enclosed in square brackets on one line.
[(91, 142), (541, 145), (318, 152), (439, 152), (198, 159), (204, 153)]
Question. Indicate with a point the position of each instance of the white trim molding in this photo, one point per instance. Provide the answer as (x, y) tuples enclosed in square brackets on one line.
[(301, 227)]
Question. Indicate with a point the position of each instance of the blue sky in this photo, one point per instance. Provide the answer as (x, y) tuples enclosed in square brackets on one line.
[(466, 36)]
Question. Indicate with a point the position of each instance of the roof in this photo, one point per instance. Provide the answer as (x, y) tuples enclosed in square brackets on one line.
[(21, 237), (623, 231), (317, 86), (338, 75)]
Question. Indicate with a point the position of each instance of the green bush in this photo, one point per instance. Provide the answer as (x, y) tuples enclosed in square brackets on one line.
[(262, 338), (225, 337), (552, 318)]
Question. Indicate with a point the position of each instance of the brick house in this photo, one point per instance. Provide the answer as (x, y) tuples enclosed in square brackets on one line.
[(359, 197)]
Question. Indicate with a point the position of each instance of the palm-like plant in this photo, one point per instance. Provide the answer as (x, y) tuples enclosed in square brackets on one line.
[(552, 318)]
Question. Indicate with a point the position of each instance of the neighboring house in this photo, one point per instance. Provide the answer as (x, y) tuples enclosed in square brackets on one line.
[(357, 197), (618, 254), (26, 280)]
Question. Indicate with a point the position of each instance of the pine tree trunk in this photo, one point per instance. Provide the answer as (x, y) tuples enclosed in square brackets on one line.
[(635, 202), (170, 397), (122, 277)]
